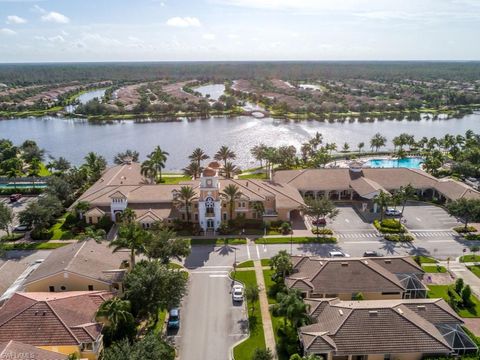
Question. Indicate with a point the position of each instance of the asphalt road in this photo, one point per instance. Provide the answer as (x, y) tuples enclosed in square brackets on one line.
[(210, 322)]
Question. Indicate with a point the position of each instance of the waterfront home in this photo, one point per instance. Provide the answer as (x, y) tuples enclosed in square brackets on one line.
[(59, 322), (396, 277)]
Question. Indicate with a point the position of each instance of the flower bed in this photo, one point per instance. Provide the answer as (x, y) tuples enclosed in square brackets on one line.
[(399, 237), (389, 226)]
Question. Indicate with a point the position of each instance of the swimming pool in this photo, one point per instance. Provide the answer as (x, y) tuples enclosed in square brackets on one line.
[(410, 163), (23, 185)]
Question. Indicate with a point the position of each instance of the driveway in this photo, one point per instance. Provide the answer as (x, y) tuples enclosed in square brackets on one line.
[(210, 323), (428, 217), (350, 225)]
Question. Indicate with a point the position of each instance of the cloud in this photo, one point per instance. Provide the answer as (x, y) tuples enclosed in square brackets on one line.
[(209, 36), (6, 31), (55, 17), (14, 19), (186, 21)]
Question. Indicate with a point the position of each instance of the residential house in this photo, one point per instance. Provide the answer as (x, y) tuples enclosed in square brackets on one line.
[(14, 350)]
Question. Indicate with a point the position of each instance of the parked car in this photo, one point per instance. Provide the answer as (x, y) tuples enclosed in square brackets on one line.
[(319, 222), (392, 212), (371, 253), (21, 228), (237, 293), (174, 319), (336, 254), (15, 197)]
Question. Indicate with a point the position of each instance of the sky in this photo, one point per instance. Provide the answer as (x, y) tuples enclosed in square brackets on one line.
[(227, 30)]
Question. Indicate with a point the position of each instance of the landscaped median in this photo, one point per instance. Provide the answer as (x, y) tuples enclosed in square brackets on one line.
[(218, 242), (297, 240), (393, 230), (468, 233), (256, 338), (45, 245)]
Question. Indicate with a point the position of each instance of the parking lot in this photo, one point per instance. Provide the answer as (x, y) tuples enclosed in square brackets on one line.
[(349, 220), (16, 207), (427, 217)]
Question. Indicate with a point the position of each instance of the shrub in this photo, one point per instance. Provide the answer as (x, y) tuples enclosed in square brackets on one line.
[(70, 221), (285, 228), (104, 223), (399, 237), (462, 230), (386, 226), (466, 294), (41, 234), (321, 231), (459, 285), (12, 237), (391, 224), (472, 237)]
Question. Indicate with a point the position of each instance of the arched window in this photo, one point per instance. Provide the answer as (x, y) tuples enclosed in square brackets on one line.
[(209, 205)]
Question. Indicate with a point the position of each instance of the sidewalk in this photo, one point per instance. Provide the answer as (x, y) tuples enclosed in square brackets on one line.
[(264, 307), (460, 270)]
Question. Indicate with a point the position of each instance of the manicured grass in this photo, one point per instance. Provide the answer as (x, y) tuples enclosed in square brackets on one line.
[(256, 340), (173, 180), (59, 233), (260, 176), (470, 258), (12, 237), (218, 242), (249, 263), (434, 269), (297, 240), (441, 291), (162, 315), (174, 266), (267, 277), (475, 269), (34, 246), (424, 259)]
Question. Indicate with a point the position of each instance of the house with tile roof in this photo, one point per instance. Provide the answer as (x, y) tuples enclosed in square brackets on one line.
[(401, 329), (60, 322), (396, 277), (82, 266), (14, 350)]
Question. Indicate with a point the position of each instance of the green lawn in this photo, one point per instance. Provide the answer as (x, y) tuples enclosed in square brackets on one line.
[(59, 233), (475, 269), (218, 242), (267, 277), (244, 351), (297, 240), (441, 291), (434, 269), (424, 259), (173, 180), (249, 263), (470, 258), (162, 315), (260, 176), (34, 246)]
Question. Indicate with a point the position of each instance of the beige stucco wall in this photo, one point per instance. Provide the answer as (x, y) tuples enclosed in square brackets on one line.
[(72, 282), (63, 349)]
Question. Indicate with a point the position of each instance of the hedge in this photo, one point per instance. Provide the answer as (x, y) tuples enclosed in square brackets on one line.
[(322, 231), (389, 226), (12, 237), (462, 230), (472, 237), (23, 191), (399, 237)]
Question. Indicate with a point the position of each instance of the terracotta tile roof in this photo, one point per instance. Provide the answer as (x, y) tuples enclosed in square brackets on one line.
[(378, 327), (17, 350), (87, 258), (52, 319)]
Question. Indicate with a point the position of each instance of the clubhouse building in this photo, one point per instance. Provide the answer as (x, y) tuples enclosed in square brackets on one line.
[(123, 186)]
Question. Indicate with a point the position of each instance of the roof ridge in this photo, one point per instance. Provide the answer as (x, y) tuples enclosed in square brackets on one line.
[(394, 278), (61, 321), (115, 176), (84, 242), (301, 172), (286, 195), (246, 187), (20, 312)]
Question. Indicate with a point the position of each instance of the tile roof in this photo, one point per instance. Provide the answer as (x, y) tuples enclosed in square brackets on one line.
[(379, 326), (52, 319), (17, 350), (87, 258)]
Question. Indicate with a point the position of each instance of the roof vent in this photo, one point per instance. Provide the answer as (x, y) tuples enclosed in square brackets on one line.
[(373, 312), (44, 313), (344, 264), (366, 262), (421, 307), (340, 311), (400, 311), (36, 313), (388, 261)]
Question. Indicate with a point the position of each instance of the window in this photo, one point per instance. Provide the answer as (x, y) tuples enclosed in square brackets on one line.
[(63, 288), (51, 288), (225, 216), (90, 220), (390, 293), (90, 287)]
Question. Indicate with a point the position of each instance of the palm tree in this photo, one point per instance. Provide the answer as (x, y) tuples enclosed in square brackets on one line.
[(259, 208), (224, 154), (382, 200), (258, 152), (360, 146), (377, 141), (130, 236), (158, 158), (320, 209), (291, 306), (406, 192), (128, 216), (197, 156), (185, 197), (122, 157), (81, 208), (193, 170), (230, 193), (252, 293), (94, 164), (230, 170), (116, 311), (90, 233), (149, 170)]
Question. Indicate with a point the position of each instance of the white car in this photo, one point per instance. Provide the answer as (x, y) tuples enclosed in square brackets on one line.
[(392, 212), (237, 293), (337, 254)]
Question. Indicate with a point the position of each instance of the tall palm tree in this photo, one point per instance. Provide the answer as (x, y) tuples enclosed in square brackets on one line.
[(193, 170), (224, 154), (128, 154), (158, 159), (116, 311), (293, 308), (230, 170), (149, 170), (185, 197), (130, 236), (94, 164), (198, 155), (382, 200), (128, 216), (406, 192), (81, 208), (230, 193)]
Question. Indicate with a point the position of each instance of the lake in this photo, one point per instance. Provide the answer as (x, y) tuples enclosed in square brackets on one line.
[(86, 97), (214, 90), (74, 138)]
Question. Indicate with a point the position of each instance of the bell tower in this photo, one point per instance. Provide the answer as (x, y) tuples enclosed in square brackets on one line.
[(209, 202)]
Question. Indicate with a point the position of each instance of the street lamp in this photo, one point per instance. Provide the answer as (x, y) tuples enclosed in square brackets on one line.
[(291, 242)]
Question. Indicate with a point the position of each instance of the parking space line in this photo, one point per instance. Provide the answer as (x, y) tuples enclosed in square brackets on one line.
[(248, 252), (258, 252), (218, 276)]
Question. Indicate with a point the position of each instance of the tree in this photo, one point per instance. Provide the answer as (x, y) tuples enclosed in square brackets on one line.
[(465, 209), (90, 233), (377, 141), (126, 156), (41, 213), (406, 193), (360, 146), (252, 293), (60, 165), (81, 208), (164, 245), (459, 285), (193, 170), (282, 265), (291, 306), (231, 193), (6, 218), (383, 199), (156, 162), (130, 236), (306, 357), (320, 208), (62, 189), (149, 170), (30, 150), (185, 198), (128, 216), (197, 156), (151, 287), (346, 147), (224, 154), (150, 347), (230, 170), (94, 165), (466, 294), (262, 354), (120, 322)]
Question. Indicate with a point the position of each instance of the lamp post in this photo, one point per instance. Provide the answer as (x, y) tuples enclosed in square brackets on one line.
[(291, 242)]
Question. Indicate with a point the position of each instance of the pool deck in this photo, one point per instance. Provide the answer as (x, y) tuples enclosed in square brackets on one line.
[(366, 159)]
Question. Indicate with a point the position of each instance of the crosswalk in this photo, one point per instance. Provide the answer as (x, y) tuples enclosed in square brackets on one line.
[(433, 234), (359, 235)]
